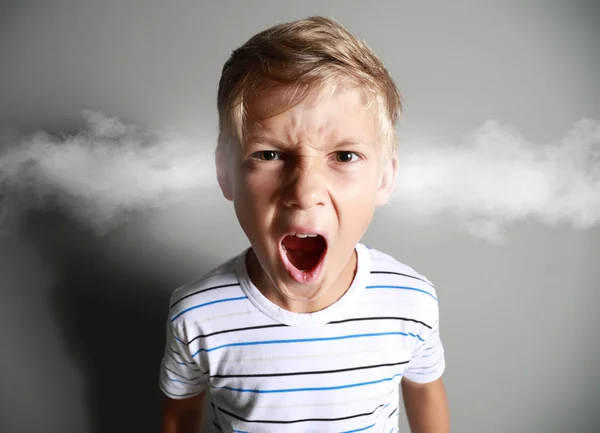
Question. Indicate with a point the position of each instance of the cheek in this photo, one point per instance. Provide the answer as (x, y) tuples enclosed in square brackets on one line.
[(356, 189), (252, 192), (248, 185), (356, 199)]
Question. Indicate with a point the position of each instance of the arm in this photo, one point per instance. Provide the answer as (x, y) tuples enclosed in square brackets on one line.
[(184, 383), (422, 386), (183, 415), (426, 406)]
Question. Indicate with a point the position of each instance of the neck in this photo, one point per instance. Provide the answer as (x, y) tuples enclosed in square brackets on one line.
[(337, 289)]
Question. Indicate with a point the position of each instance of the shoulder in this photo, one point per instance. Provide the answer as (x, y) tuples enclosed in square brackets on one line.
[(386, 264), (395, 280), (219, 285)]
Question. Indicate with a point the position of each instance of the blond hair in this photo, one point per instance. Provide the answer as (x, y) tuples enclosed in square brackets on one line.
[(304, 56)]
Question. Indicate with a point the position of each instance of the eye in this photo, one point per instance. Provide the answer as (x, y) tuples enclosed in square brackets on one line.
[(266, 155), (346, 156)]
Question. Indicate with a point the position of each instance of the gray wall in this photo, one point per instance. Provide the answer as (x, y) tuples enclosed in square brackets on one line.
[(89, 253)]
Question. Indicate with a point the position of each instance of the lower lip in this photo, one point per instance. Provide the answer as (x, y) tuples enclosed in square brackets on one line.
[(302, 277)]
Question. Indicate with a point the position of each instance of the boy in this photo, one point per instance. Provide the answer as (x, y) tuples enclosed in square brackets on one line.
[(307, 330)]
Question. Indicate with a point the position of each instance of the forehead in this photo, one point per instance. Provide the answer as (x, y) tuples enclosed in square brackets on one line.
[(329, 113)]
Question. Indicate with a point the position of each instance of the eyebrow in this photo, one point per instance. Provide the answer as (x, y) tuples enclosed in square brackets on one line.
[(275, 141), (264, 139), (353, 141)]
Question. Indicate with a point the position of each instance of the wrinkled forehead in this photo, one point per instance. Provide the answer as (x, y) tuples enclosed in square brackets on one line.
[(324, 118), (271, 100)]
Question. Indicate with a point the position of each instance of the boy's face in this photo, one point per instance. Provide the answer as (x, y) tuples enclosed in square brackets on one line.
[(316, 168)]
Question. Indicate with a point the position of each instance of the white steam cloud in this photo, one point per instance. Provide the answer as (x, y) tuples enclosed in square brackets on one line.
[(102, 174), (495, 177)]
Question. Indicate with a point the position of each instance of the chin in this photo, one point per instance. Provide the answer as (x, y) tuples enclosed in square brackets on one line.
[(303, 293)]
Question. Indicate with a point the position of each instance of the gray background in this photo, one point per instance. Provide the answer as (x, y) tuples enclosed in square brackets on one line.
[(82, 309)]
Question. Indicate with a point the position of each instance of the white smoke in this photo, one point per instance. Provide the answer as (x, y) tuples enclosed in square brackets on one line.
[(494, 178), (102, 174)]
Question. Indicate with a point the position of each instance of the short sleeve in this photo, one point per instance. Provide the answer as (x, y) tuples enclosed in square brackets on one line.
[(428, 361), (181, 375)]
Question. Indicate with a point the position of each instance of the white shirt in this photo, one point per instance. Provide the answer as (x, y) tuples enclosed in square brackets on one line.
[(270, 370)]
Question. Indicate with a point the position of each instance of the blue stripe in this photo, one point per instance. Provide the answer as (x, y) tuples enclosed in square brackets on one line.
[(180, 381), (360, 429), (306, 340), (402, 288), (175, 337), (207, 303), (185, 383), (186, 365), (328, 388)]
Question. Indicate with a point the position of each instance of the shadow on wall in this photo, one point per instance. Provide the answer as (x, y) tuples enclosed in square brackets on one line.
[(113, 323)]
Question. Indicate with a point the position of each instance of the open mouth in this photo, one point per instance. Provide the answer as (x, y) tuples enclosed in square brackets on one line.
[(302, 255)]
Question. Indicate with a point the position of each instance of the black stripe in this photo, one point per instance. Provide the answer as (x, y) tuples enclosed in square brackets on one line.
[(393, 412), (199, 382), (183, 377), (279, 325), (356, 319), (179, 360), (299, 373), (225, 331), (202, 291), (175, 352), (217, 426), (299, 420), (404, 275), (429, 349)]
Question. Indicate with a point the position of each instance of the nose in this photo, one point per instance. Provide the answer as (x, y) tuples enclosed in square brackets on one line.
[(305, 188)]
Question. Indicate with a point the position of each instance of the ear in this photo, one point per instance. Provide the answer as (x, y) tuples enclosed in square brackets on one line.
[(387, 181), (223, 175)]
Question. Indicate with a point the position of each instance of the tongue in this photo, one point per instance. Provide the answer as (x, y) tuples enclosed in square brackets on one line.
[(304, 253)]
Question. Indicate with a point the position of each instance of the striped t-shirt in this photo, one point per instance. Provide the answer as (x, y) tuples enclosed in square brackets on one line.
[(270, 370)]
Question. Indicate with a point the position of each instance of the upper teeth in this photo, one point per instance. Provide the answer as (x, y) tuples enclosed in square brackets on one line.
[(304, 235)]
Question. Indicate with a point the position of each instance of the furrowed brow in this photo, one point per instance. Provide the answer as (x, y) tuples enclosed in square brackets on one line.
[(352, 142), (261, 138)]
